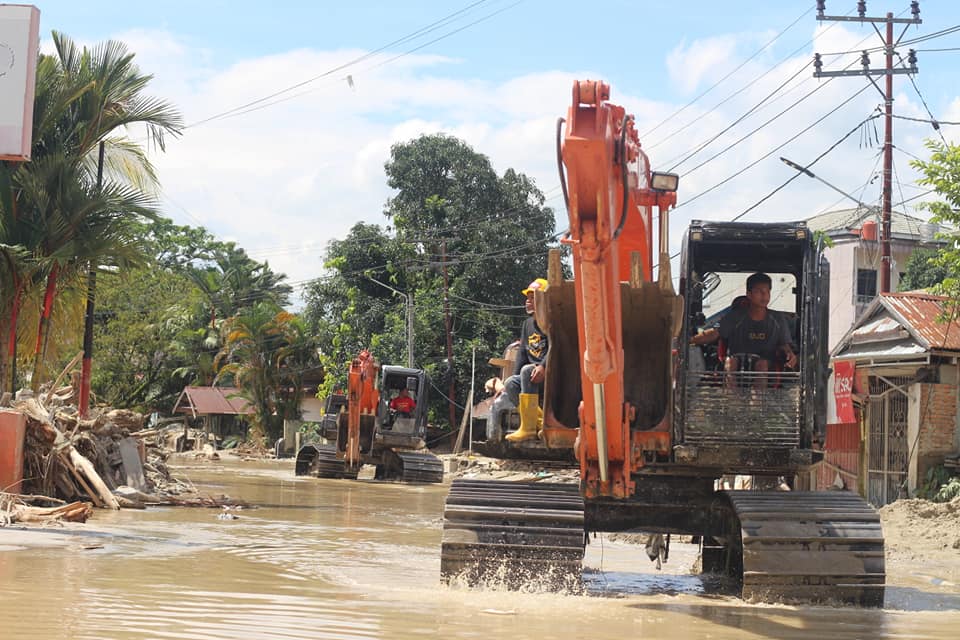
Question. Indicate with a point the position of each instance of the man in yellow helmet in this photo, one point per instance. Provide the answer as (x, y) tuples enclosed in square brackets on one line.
[(523, 387)]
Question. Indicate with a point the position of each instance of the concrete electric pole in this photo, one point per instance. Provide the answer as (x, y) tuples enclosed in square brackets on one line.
[(888, 72)]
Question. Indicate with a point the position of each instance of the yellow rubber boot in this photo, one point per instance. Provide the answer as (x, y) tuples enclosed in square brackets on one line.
[(528, 418)]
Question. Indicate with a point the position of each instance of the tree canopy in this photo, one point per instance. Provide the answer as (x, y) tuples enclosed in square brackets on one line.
[(459, 237), (942, 173)]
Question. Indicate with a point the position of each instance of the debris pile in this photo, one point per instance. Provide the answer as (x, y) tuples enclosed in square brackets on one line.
[(108, 460), (469, 465)]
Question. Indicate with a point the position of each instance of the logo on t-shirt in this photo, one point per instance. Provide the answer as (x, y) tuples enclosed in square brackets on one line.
[(536, 343)]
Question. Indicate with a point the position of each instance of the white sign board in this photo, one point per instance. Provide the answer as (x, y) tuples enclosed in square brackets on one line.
[(19, 44)]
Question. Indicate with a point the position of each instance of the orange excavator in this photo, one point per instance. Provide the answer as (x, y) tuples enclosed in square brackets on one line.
[(656, 425), (367, 430)]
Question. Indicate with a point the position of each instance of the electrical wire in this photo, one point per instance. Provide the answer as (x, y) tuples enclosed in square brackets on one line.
[(727, 76), (406, 38), (751, 110), (772, 151), (742, 89)]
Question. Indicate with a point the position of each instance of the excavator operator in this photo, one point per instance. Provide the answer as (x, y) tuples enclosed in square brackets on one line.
[(403, 404), (522, 388), (752, 332)]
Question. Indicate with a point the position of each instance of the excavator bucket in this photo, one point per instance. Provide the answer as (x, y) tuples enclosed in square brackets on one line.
[(648, 310)]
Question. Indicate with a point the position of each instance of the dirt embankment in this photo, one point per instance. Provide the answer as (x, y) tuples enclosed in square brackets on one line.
[(914, 527)]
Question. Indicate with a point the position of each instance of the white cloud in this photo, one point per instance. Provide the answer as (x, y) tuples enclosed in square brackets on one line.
[(285, 179)]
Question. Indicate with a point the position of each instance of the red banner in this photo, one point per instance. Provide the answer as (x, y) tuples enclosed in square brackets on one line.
[(843, 372)]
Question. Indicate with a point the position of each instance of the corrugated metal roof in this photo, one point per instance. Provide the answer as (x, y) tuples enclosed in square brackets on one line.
[(212, 401), (884, 327), (901, 224), (880, 351), (922, 312)]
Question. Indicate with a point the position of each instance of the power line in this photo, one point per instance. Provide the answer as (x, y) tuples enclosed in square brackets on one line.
[(724, 78), (772, 151), (741, 90), (798, 174), (751, 110), (251, 106)]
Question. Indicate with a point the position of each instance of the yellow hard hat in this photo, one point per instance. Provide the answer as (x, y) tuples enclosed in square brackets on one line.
[(540, 284)]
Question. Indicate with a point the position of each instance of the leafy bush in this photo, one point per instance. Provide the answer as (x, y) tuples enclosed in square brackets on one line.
[(948, 491), (939, 485)]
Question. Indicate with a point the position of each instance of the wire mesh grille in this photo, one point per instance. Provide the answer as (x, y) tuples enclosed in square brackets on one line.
[(743, 408)]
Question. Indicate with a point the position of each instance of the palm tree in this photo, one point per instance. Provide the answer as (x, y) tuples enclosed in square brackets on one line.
[(264, 352), (54, 214)]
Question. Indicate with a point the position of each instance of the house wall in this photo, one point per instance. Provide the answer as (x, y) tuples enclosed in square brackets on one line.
[(843, 280), (937, 426), (311, 409), (846, 258)]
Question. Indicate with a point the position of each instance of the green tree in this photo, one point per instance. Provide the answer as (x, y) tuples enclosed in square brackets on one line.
[(54, 216), (265, 353), (453, 220), (922, 271), (155, 332), (942, 173), (142, 359)]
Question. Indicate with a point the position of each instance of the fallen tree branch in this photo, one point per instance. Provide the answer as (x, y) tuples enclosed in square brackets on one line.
[(73, 512)]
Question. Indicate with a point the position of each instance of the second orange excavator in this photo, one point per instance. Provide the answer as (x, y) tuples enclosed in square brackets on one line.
[(370, 429)]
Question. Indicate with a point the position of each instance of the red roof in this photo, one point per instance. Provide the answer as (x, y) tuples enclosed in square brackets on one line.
[(212, 401), (923, 312)]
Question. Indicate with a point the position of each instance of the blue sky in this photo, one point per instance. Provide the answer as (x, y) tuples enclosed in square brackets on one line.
[(285, 178)]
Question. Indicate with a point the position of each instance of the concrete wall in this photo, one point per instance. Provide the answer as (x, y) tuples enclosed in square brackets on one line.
[(843, 280), (311, 408), (846, 258)]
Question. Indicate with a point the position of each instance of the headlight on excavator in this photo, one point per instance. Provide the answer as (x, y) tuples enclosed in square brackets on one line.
[(664, 181)]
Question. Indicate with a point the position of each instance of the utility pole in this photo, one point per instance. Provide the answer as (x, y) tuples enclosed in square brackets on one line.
[(408, 303), (446, 317), (86, 368), (888, 72)]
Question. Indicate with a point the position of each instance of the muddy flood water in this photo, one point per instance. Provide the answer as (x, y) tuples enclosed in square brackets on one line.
[(360, 559)]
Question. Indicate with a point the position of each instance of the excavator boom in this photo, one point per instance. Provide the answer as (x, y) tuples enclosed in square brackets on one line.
[(611, 240)]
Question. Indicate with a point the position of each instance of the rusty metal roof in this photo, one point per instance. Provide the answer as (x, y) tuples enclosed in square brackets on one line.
[(202, 401), (922, 314), (893, 321)]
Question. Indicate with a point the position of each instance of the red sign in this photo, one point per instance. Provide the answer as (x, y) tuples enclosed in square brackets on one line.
[(843, 372)]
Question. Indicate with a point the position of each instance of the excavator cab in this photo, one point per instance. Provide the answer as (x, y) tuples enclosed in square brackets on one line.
[(771, 416)]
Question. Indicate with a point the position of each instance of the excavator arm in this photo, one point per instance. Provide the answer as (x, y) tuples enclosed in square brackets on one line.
[(362, 400), (611, 192)]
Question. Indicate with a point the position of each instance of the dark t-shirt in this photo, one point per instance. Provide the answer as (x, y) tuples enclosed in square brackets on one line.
[(533, 345), (759, 337)]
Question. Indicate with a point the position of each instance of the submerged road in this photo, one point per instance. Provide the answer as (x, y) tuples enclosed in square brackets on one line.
[(360, 559)]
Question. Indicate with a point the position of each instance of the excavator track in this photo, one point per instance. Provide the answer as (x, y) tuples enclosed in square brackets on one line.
[(513, 534), (410, 466), (320, 460), (816, 547)]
